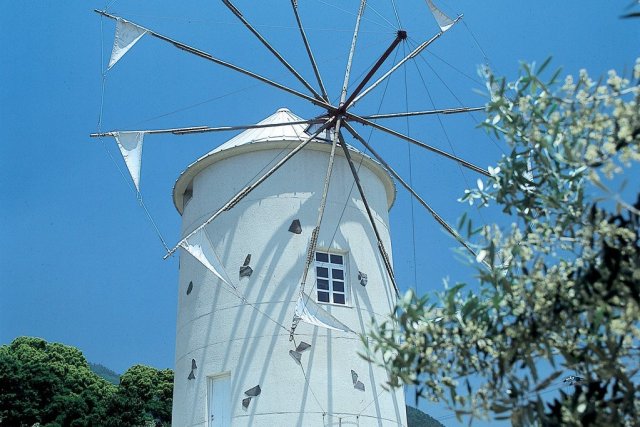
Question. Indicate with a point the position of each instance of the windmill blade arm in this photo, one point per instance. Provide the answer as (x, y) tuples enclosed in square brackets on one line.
[(248, 189), (305, 40), (311, 248), (201, 129), (400, 35), (271, 49), (411, 55), (229, 65), (462, 162), (420, 200), (383, 252), (352, 50), (423, 113)]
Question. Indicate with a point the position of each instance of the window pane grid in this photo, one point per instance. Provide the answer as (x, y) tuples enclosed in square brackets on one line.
[(330, 278)]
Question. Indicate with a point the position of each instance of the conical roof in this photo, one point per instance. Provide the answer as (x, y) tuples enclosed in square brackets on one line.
[(286, 132), (265, 138)]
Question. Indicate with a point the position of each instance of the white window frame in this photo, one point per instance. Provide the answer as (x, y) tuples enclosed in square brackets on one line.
[(331, 281)]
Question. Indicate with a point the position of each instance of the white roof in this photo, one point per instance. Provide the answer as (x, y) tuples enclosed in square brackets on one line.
[(286, 132), (275, 136)]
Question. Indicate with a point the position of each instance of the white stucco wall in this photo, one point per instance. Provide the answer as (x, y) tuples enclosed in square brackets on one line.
[(222, 334)]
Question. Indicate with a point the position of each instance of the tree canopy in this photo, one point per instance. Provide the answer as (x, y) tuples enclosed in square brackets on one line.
[(52, 384), (550, 333)]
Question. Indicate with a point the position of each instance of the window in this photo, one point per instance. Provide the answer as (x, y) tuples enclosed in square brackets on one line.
[(330, 284)]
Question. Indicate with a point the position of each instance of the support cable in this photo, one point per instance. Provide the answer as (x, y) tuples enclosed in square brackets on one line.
[(104, 145), (413, 222), (395, 11), (433, 213), (463, 162), (456, 69), (306, 379), (460, 102), (485, 57), (348, 12), (380, 15), (194, 105), (237, 292), (444, 130)]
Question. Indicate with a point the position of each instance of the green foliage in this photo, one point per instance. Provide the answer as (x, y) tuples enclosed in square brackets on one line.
[(562, 294), (52, 384), (145, 396)]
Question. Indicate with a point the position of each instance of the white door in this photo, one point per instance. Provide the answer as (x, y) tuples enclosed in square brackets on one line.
[(219, 400)]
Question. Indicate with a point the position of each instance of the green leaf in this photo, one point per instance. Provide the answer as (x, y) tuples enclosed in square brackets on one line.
[(544, 65), (554, 77), (544, 384), (499, 409)]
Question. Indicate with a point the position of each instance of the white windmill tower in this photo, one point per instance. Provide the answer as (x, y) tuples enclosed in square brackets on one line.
[(235, 362), (283, 267)]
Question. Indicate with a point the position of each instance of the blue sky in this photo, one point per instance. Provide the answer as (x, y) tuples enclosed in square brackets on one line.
[(80, 262)]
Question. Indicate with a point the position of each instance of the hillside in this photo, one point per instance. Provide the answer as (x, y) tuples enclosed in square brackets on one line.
[(105, 373), (417, 418)]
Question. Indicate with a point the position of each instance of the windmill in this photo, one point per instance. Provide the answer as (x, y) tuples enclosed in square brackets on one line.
[(276, 342)]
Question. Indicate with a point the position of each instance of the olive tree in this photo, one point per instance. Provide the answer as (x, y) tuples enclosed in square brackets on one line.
[(558, 288)]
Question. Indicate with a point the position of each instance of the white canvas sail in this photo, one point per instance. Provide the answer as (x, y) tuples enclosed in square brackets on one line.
[(130, 144), (444, 22), (310, 312), (127, 34), (199, 246)]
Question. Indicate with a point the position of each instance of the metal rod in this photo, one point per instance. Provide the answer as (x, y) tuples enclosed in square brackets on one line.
[(211, 58), (347, 71), (311, 248), (381, 248), (433, 213), (200, 129), (271, 49), (411, 55), (401, 35), (424, 113), (463, 162), (248, 189), (314, 65)]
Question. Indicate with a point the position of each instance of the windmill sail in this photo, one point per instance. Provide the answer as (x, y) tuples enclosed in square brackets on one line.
[(130, 144), (199, 246), (444, 22), (127, 34), (310, 312)]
